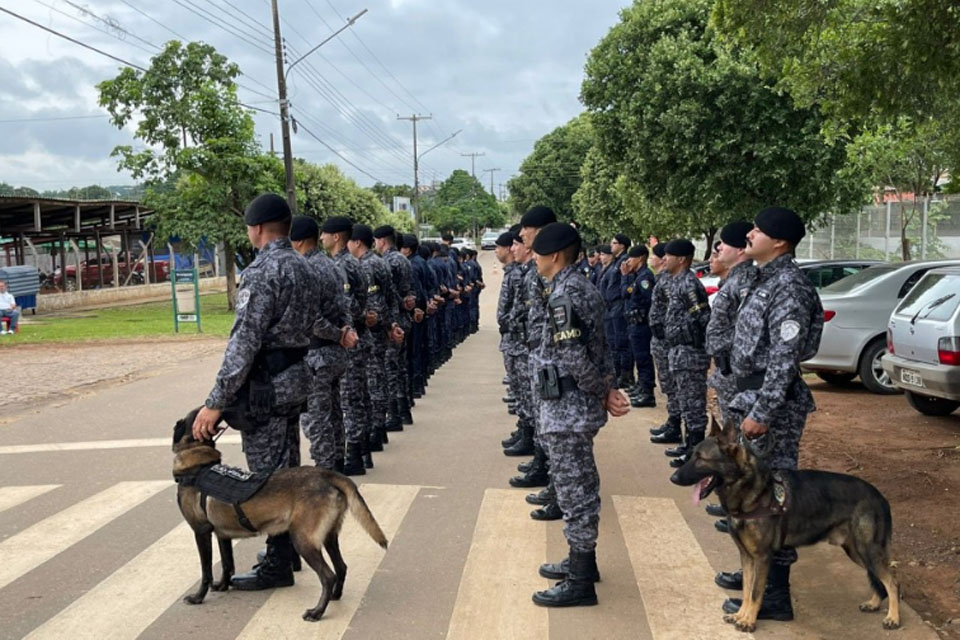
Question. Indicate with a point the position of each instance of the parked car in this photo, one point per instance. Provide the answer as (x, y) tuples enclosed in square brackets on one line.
[(90, 273), (489, 240), (923, 344), (856, 310), (463, 243)]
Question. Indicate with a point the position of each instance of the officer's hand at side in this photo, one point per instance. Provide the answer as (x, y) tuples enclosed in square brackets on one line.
[(624, 269), (396, 334), (370, 319), (418, 315), (409, 303), (752, 429), (348, 338), (617, 403), (205, 424)]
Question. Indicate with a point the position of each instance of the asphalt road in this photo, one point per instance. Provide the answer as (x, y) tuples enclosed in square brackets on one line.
[(92, 544)]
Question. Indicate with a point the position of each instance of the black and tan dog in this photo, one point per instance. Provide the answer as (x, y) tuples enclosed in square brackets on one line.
[(769, 510), (308, 502)]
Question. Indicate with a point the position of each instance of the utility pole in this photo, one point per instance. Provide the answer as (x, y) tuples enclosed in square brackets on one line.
[(284, 111), (416, 166), (491, 171), (473, 161)]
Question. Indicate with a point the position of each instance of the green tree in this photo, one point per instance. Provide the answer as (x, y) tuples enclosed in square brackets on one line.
[(199, 139), (461, 204), (695, 132), (23, 192), (387, 192), (550, 175), (92, 192)]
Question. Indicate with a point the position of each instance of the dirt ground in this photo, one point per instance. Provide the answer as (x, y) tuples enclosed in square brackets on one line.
[(915, 461), (49, 372)]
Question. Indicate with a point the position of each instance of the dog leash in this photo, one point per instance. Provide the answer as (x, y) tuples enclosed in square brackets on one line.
[(751, 444)]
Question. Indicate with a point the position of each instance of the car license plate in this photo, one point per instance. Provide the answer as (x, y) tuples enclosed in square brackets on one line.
[(910, 377)]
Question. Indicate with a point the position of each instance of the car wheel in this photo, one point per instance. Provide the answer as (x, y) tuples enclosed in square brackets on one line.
[(836, 378), (930, 406), (71, 284), (872, 375)]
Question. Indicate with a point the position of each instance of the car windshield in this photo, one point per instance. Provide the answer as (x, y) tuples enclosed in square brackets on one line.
[(855, 280), (935, 298)]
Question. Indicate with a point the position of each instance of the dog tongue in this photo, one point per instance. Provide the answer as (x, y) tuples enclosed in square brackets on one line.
[(698, 489)]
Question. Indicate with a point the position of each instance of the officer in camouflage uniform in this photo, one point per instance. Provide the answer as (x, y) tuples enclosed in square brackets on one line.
[(381, 318), (401, 275), (504, 245), (685, 325), (275, 312), (335, 235), (669, 432), (333, 333), (576, 387), (521, 441), (778, 327)]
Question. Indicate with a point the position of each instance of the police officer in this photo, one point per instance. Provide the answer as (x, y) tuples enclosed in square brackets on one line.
[(670, 431), (424, 288), (614, 321), (335, 235), (778, 327), (504, 253), (380, 317), (398, 409), (637, 283), (576, 388), (275, 313), (333, 333), (685, 325)]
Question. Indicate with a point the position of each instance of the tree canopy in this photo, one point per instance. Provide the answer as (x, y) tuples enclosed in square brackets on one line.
[(462, 204)]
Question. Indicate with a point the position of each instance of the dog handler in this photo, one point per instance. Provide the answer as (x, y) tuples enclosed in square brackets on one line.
[(778, 327), (276, 309), (576, 387)]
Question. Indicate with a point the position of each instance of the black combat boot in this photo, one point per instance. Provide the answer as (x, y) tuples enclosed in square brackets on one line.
[(523, 446), (405, 415), (644, 398), (732, 580), (512, 410), (693, 439), (393, 422), (365, 450), (776, 603), (353, 463), (670, 432), (509, 398), (338, 465), (512, 439), (578, 588), (537, 475), (373, 442), (295, 562), (716, 510), (274, 571), (547, 512), (543, 497), (560, 570), (722, 525)]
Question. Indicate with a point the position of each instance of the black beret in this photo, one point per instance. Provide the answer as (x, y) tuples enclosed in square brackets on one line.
[(592, 251), (781, 224), (604, 248), (304, 228), (638, 251), (425, 252), (517, 238), (447, 237), (515, 229), (622, 239), (267, 207), (680, 247), (454, 252), (538, 217), (363, 233), (659, 249), (735, 234), (443, 249), (410, 241), (337, 224), (505, 239), (385, 231), (554, 237)]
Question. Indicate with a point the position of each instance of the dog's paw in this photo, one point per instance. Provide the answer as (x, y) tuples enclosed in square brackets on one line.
[(869, 606), (745, 626), (223, 585), (192, 599), (890, 623), (311, 615), (730, 618)]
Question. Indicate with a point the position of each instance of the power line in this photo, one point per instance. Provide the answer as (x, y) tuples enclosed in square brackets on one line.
[(51, 118), (110, 23), (214, 22), (151, 18), (334, 151), (73, 40), (87, 24)]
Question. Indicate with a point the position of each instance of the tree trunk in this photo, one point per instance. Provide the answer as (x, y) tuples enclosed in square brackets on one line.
[(904, 223), (230, 271), (710, 233)]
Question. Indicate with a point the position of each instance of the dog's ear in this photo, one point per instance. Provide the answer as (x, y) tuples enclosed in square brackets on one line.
[(184, 427), (713, 426), (728, 435)]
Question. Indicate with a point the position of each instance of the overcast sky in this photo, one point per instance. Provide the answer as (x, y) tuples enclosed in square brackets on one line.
[(504, 72)]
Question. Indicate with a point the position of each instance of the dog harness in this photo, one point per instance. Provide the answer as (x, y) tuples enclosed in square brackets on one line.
[(774, 504), (227, 484)]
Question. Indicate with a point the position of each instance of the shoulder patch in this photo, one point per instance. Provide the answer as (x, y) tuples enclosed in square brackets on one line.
[(559, 315), (242, 299), (346, 287), (644, 284), (789, 330)]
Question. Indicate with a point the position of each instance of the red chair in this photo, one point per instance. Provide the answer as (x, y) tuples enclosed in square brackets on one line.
[(6, 324)]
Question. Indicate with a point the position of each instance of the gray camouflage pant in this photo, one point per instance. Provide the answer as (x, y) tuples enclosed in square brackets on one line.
[(275, 444), (322, 422), (573, 471), (377, 387), (394, 374), (353, 392), (689, 372), (667, 384)]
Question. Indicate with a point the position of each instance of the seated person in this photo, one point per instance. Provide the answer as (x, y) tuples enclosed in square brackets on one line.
[(8, 309)]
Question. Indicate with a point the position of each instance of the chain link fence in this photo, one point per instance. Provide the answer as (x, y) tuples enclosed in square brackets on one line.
[(931, 231)]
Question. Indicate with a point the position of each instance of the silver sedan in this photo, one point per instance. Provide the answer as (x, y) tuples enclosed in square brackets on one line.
[(856, 310)]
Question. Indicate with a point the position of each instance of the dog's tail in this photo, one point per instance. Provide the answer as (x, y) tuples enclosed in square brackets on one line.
[(358, 507)]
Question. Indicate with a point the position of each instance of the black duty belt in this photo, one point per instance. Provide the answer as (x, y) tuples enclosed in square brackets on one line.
[(752, 382), (277, 360), (317, 343), (567, 384)]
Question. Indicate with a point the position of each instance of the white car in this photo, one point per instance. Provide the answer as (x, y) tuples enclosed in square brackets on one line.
[(463, 243), (489, 239), (923, 344)]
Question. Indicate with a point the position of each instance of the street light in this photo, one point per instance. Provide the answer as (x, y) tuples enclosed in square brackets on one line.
[(416, 171)]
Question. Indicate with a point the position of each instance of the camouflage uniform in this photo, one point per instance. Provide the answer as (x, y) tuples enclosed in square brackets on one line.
[(723, 320), (511, 274), (396, 365), (381, 300), (572, 340), (685, 322), (534, 294), (323, 420), (518, 348), (659, 347), (276, 308), (353, 384)]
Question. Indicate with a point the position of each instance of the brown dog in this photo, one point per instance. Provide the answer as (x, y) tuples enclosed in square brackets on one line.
[(308, 502), (769, 510)]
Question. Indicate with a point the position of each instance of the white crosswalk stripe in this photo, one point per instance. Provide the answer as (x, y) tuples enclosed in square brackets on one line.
[(11, 497), (32, 547)]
